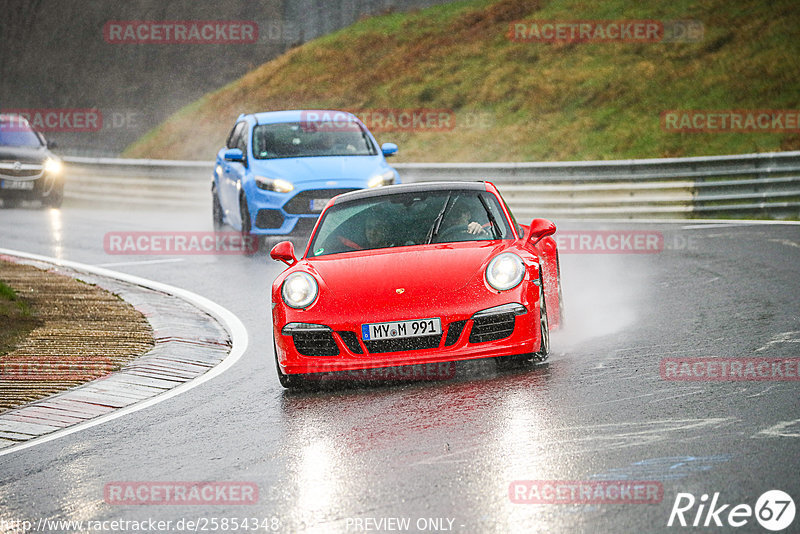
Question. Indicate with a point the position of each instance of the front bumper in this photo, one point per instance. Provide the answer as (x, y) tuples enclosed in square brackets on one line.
[(505, 329), (274, 213), (29, 188)]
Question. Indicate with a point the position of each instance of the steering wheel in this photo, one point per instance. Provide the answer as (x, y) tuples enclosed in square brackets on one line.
[(456, 231)]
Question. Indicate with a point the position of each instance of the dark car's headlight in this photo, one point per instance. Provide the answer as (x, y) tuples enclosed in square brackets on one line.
[(505, 271), (53, 166), (274, 184), (299, 290)]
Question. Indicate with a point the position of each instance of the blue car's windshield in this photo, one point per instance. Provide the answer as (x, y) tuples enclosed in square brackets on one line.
[(311, 138), (17, 132), (409, 219)]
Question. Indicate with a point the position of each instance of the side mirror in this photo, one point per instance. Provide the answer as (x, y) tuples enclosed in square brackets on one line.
[(234, 154), (283, 251), (540, 228), (388, 149)]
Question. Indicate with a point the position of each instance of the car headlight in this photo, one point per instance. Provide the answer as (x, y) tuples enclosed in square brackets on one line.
[(505, 271), (278, 185), (384, 178), (53, 166), (299, 290)]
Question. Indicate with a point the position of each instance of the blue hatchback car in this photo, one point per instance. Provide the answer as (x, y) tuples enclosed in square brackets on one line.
[(279, 169)]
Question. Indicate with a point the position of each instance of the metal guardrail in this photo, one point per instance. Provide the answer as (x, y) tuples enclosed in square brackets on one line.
[(741, 186)]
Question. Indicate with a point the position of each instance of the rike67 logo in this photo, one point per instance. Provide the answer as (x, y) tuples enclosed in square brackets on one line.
[(774, 510)]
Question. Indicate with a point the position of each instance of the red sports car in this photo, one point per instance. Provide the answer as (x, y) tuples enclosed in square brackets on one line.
[(415, 274)]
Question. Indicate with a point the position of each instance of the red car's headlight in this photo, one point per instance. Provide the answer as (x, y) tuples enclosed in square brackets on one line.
[(299, 290), (505, 271)]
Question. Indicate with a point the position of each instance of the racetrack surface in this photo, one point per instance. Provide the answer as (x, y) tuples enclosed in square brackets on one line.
[(322, 460)]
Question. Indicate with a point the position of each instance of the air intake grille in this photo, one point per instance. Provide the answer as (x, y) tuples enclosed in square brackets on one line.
[(315, 344), (492, 328), (454, 332), (351, 340)]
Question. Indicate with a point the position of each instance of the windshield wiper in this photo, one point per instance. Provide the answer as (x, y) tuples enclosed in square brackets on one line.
[(490, 215), (437, 222)]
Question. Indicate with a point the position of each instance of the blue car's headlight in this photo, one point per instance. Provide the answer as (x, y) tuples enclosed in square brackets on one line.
[(269, 184), (384, 178)]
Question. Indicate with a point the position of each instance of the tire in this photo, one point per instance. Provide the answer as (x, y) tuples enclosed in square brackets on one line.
[(216, 210), (287, 381), (246, 231), (561, 309), (506, 363), (55, 198), (544, 328)]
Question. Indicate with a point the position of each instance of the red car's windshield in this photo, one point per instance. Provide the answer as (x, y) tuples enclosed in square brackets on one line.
[(410, 219)]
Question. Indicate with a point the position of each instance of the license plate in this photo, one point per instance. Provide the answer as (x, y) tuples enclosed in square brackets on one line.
[(399, 329), (17, 184), (318, 204)]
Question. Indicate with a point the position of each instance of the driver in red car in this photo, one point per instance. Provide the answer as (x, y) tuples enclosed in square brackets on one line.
[(461, 216)]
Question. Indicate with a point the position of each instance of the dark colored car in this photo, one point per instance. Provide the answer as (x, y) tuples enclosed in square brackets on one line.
[(28, 170)]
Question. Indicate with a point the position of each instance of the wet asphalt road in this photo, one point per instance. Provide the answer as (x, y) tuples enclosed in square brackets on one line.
[(443, 454)]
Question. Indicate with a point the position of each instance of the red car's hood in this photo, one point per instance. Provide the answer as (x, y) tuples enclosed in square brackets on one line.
[(419, 271)]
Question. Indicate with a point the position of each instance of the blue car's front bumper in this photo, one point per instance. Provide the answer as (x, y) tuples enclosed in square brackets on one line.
[(274, 213)]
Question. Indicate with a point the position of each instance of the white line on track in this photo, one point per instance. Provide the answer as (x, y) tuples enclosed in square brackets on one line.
[(143, 262), (228, 319)]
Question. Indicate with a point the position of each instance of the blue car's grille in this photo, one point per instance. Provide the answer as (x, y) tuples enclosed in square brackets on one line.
[(269, 219), (304, 202)]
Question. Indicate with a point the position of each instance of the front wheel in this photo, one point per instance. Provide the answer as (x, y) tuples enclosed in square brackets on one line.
[(544, 328), (216, 210), (248, 238), (55, 198), (287, 381)]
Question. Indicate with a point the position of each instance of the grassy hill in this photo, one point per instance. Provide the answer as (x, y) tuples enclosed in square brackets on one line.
[(532, 101)]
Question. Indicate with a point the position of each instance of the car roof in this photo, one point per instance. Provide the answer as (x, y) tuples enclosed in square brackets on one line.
[(13, 116), (297, 115), (416, 187)]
